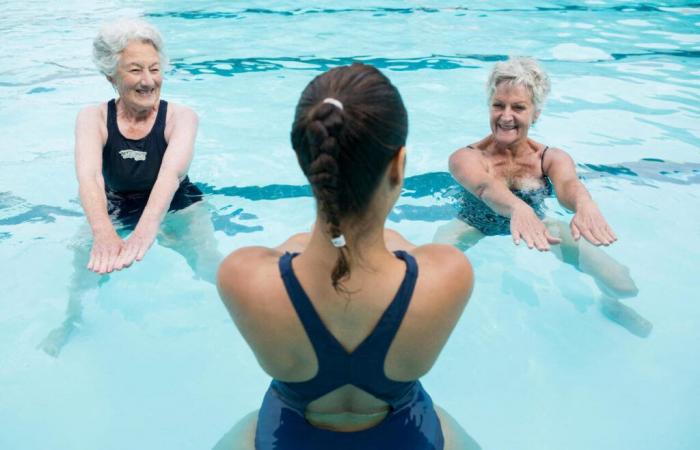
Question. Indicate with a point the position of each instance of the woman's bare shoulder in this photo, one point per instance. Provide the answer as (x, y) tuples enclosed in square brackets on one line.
[(93, 113), (446, 270), (243, 272)]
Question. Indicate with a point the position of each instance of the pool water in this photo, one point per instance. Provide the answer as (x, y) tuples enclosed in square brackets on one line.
[(539, 360)]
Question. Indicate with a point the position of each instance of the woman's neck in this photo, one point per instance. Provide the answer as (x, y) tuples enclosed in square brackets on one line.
[(514, 149), (135, 114), (364, 242)]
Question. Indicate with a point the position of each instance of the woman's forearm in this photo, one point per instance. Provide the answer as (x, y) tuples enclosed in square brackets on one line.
[(159, 200), (573, 195), (500, 199), (94, 203)]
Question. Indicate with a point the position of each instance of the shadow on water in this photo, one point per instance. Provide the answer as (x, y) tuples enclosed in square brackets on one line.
[(439, 185)]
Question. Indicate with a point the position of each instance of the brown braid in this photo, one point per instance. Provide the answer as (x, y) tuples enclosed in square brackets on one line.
[(344, 152)]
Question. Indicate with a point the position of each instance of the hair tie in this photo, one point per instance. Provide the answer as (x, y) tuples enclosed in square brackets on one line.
[(338, 241), (338, 105)]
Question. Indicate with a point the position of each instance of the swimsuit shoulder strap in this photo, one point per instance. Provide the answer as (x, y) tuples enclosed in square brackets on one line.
[(111, 117), (113, 135), (159, 126), (317, 332), (379, 341), (542, 161)]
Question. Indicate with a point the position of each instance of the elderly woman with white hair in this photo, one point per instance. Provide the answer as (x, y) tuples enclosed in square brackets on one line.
[(132, 155), (507, 175)]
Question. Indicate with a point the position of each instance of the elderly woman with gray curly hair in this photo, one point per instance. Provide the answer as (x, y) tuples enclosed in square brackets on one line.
[(507, 175), (132, 155)]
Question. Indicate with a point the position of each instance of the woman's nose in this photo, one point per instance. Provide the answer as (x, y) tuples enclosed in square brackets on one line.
[(146, 78)]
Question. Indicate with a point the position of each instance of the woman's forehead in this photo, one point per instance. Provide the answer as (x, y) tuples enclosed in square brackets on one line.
[(514, 91), (139, 52)]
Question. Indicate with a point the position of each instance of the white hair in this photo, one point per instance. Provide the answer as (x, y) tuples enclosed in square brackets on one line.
[(114, 37), (520, 71)]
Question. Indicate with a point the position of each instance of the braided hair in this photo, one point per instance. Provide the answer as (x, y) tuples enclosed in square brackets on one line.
[(349, 124)]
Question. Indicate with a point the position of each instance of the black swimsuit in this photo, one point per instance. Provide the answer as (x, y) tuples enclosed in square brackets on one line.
[(130, 168), (477, 213)]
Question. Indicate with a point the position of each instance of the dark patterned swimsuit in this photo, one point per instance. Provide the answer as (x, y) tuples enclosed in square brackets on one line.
[(130, 168), (478, 214)]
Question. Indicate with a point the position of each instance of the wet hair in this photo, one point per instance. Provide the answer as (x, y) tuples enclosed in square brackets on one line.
[(344, 152), (520, 71), (115, 36)]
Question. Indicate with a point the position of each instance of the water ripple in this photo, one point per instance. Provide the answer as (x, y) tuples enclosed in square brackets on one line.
[(232, 66), (200, 14)]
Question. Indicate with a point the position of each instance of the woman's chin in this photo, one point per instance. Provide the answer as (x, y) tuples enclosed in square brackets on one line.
[(504, 141)]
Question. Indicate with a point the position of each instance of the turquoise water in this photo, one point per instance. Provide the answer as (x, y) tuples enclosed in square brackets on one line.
[(538, 361)]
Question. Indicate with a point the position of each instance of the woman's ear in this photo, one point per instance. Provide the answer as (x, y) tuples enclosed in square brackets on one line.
[(397, 167)]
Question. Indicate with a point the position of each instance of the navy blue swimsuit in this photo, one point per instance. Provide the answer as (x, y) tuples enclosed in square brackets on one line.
[(478, 214), (130, 168), (411, 424)]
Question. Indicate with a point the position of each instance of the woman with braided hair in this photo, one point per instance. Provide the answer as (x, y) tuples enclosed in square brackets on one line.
[(348, 317)]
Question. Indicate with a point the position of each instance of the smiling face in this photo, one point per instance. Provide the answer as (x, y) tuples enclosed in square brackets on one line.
[(138, 78), (511, 113)]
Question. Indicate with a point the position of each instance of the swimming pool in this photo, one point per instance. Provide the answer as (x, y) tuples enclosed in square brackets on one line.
[(538, 361)]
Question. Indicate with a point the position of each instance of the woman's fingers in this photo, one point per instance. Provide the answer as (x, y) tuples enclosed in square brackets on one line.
[(552, 239), (112, 259), (141, 251), (588, 235), (101, 262), (130, 254), (91, 262), (575, 232)]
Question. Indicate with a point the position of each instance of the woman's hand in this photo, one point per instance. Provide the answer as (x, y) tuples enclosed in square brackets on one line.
[(106, 250), (590, 223), (136, 246), (525, 224)]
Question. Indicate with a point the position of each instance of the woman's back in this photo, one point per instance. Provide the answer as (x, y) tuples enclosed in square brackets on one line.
[(254, 292), (347, 326)]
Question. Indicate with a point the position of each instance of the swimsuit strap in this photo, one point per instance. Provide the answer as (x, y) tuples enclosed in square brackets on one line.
[(321, 338), (159, 126), (310, 320), (546, 147), (157, 130), (380, 339)]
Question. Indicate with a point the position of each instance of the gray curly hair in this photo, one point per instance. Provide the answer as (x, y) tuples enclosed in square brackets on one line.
[(115, 36), (520, 71)]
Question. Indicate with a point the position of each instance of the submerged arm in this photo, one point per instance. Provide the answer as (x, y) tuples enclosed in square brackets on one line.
[(588, 221), (89, 141), (173, 169)]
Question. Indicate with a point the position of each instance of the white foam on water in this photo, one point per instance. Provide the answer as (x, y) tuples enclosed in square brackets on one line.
[(575, 52), (635, 22)]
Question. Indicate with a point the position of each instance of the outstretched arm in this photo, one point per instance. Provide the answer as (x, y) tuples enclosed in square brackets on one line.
[(181, 133), (588, 221), (89, 140), (470, 171)]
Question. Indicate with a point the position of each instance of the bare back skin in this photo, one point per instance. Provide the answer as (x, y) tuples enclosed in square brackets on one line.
[(269, 322)]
